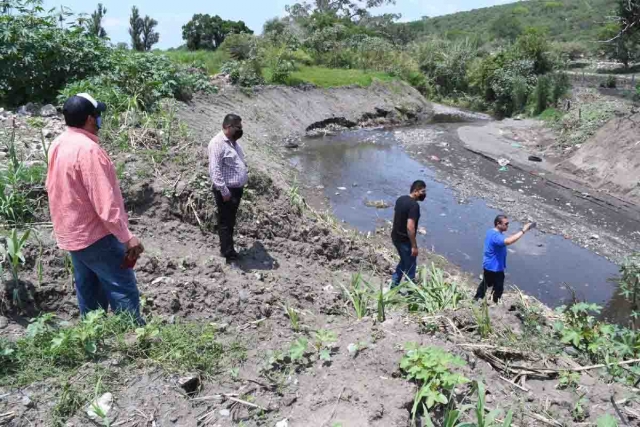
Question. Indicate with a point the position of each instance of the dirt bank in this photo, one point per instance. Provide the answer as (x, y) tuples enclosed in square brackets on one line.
[(288, 257)]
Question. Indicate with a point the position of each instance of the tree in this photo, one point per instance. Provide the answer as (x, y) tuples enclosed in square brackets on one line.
[(353, 10), (623, 32), (208, 32), (149, 36), (506, 27), (94, 24), (135, 29)]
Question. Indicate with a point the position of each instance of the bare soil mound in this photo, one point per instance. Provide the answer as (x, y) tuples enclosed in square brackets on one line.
[(610, 160)]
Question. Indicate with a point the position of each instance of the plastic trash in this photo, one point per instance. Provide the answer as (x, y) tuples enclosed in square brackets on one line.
[(503, 162), (516, 145), (534, 159)]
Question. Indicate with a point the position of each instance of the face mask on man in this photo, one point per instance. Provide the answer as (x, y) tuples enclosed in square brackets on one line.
[(237, 134), (422, 197)]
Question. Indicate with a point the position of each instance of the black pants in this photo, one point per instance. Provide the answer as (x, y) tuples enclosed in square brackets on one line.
[(227, 212), (491, 279)]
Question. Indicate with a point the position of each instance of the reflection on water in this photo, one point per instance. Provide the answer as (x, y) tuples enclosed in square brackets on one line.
[(369, 165)]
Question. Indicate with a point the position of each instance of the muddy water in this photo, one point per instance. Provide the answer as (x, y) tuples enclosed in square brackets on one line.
[(355, 167)]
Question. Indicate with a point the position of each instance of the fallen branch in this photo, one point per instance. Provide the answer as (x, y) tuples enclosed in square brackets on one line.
[(251, 405), (514, 384), (255, 322), (544, 420), (615, 406)]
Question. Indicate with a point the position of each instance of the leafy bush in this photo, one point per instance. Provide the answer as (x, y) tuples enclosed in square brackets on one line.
[(542, 94), (431, 367), (280, 61), (240, 47), (37, 58), (431, 292), (244, 73), (140, 80)]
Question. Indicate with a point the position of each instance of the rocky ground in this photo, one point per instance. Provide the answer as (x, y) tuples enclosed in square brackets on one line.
[(290, 256)]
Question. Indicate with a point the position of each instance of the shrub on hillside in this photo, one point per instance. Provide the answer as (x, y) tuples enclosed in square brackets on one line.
[(240, 47), (279, 59), (243, 73), (37, 58), (140, 80)]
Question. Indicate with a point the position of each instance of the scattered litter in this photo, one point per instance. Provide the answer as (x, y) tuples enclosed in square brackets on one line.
[(516, 145), (342, 188), (503, 169), (158, 280), (422, 230), (320, 187), (435, 158), (594, 237), (225, 412), (100, 407), (337, 194), (355, 184), (353, 349), (503, 162), (283, 423), (535, 159)]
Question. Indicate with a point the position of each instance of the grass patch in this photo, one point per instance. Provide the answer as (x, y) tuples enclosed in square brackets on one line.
[(210, 61), (54, 349), (551, 115), (333, 77)]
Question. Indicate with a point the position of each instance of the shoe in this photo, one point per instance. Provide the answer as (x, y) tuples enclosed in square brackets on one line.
[(232, 256)]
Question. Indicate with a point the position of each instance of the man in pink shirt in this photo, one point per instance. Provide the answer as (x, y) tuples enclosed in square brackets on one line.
[(88, 213)]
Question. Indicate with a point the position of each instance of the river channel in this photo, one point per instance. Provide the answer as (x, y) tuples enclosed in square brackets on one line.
[(351, 168)]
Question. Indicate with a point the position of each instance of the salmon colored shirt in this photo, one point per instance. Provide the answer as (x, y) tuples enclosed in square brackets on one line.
[(84, 195)]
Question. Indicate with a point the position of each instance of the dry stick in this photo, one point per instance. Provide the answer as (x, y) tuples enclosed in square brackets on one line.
[(335, 407), (513, 384), (244, 402), (615, 406), (543, 419), (255, 322)]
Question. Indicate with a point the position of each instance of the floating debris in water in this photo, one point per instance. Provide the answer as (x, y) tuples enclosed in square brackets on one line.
[(378, 204)]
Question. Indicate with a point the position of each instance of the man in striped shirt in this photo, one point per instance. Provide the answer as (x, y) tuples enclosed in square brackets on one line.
[(88, 213), (228, 172)]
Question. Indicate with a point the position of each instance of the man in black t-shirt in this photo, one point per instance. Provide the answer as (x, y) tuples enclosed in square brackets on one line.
[(405, 227)]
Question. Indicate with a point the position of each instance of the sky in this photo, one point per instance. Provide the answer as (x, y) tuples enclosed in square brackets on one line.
[(172, 15)]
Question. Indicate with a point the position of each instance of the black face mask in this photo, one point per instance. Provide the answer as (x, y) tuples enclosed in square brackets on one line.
[(237, 134), (422, 197)]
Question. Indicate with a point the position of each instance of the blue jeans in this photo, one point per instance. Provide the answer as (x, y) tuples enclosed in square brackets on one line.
[(407, 264), (100, 282)]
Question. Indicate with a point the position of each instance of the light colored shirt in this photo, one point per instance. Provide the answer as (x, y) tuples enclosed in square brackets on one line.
[(84, 196), (227, 167)]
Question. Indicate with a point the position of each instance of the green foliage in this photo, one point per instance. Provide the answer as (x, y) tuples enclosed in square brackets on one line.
[(293, 315), (208, 32), (37, 58), (431, 368), (327, 77), (13, 251), (138, 80), (206, 60), (431, 292), (70, 401), (244, 73), (483, 319), (358, 295), (581, 328), (94, 24), (280, 62), (630, 283), (485, 418), (568, 379), (324, 343), (51, 349), (607, 420), (541, 94)]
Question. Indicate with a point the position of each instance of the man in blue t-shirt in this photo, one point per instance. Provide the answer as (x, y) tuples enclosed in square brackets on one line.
[(495, 257)]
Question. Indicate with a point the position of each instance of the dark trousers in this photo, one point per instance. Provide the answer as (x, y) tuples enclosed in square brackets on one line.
[(491, 279), (227, 212), (407, 264)]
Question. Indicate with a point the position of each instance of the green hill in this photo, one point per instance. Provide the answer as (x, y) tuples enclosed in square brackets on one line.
[(565, 20)]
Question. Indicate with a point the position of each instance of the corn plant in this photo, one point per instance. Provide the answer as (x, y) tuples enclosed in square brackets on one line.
[(431, 292), (12, 252), (358, 295), (630, 284), (293, 315), (488, 419), (295, 199)]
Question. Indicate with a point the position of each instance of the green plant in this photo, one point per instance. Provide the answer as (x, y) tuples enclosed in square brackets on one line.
[(578, 412), (630, 283), (607, 420), (96, 407), (542, 94), (431, 292), (324, 343), (243, 73), (483, 319), (70, 401), (13, 252), (488, 419), (582, 330), (295, 198), (431, 368), (293, 316), (357, 295), (568, 379)]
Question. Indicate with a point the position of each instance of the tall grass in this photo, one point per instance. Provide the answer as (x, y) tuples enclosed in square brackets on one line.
[(431, 292), (210, 61)]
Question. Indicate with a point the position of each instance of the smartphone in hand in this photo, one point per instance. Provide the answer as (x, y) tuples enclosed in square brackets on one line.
[(129, 262), (533, 225)]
